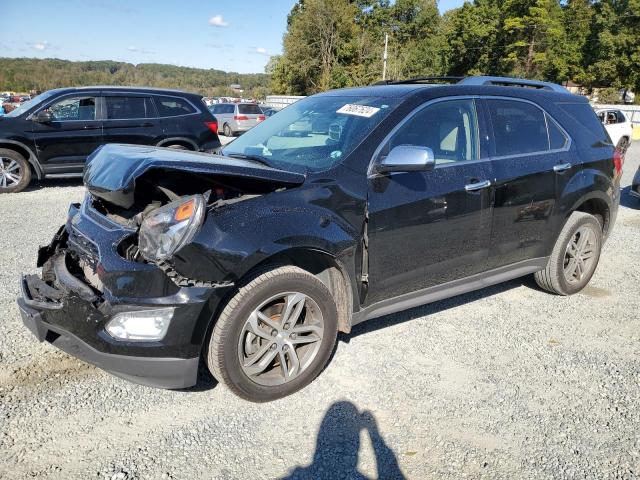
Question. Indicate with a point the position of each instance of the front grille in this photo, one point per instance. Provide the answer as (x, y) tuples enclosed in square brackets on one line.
[(85, 248)]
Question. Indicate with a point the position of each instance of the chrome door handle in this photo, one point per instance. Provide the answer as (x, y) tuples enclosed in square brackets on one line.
[(472, 187), (562, 167)]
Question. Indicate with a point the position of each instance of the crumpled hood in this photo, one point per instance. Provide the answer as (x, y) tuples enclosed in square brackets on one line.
[(112, 170)]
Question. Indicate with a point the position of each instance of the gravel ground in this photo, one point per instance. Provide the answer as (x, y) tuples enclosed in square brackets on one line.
[(507, 382)]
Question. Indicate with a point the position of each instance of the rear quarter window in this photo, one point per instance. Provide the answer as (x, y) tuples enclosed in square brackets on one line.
[(173, 106), (587, 118)]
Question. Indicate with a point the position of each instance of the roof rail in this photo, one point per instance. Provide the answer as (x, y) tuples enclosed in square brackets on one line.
[(513, 82), (435, 79)]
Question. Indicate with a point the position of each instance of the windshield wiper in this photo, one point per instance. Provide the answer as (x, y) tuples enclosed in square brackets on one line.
[(255, 158)]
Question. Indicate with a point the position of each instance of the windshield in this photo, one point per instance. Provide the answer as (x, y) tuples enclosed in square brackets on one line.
[(313, 134), (29, 104)]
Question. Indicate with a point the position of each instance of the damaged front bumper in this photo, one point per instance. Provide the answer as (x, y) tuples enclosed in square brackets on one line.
[(85, 284)]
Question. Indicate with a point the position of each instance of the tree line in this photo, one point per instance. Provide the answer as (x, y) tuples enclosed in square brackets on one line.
[(339, 43), (27, 74)]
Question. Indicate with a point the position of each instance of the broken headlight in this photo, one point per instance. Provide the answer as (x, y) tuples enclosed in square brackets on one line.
[(169, 228)]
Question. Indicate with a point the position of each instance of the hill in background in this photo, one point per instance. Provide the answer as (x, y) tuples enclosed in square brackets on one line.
[(26, 74)]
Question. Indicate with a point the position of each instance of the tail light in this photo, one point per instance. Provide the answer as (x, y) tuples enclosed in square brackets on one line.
[(261, 118), (213, 126), (240, 117), (618, 161)]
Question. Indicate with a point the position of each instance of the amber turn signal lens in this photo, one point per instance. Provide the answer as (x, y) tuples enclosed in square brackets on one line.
[(184, 211)]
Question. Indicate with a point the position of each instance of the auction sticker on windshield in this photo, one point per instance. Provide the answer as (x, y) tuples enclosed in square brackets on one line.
[(358, 110)]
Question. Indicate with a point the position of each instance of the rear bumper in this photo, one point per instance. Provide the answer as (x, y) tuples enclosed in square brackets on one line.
[(160, 372)]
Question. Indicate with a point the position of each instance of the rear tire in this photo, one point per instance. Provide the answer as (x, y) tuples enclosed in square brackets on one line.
[(177, 146), (15, 172), (256, 334), (574, 257)]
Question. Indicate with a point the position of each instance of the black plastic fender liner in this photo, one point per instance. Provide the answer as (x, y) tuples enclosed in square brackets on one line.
[(69, 282)]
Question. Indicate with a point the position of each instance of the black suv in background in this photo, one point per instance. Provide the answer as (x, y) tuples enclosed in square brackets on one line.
[(254, 259), (55, 132)]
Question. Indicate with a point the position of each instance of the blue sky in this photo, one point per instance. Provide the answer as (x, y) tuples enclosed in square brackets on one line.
[(227, 35)]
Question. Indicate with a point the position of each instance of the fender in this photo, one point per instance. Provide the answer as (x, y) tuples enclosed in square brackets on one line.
[(228, 246), (32, 159), (178, 139)]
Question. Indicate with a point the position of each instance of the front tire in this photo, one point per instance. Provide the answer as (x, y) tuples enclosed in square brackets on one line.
[(274, 336), (575, 256), (15, 173)]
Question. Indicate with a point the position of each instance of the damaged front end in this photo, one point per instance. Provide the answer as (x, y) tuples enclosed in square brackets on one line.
[(111, 291)]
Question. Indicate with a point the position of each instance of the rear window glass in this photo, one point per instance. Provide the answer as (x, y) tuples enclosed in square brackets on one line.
[(585, 116), (172, 106), (518, 127), (121, 108), (249, 109)]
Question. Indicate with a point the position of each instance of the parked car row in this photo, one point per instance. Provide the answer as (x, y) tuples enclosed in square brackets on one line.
[(55, 132)]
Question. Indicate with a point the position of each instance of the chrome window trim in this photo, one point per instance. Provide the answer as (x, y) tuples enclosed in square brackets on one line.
[(546, 114), (371, 171)]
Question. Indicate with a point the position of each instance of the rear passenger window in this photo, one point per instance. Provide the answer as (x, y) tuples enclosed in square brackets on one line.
[(449, 128), (172, 106), (557, 139), (122, 108), (518, 127)]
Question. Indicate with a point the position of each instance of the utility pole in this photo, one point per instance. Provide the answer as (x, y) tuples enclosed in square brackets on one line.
[(384, 58)]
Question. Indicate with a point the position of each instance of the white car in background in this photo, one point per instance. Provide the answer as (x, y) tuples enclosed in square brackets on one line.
[(618, 126)]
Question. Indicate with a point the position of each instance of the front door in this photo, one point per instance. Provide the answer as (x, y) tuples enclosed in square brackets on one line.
[(430, 227), (72, 135)]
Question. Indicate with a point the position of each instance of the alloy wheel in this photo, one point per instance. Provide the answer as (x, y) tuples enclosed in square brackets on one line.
[(281, 338), (10, 172), (580, 255)]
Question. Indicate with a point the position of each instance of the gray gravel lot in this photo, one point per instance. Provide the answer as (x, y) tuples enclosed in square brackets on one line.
[(507, 382)]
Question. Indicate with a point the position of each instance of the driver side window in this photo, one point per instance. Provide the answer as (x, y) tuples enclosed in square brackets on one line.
[(76, 108), (449, 128)]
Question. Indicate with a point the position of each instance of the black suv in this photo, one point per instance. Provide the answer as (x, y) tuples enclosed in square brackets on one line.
[(55, 132), (254, 259)]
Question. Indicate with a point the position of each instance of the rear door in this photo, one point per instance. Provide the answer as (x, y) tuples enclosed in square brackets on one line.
[(532, 163), (73, 134), (130, 118), (430, 227)]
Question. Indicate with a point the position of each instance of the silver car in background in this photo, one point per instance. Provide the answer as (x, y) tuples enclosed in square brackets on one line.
[(234, 118)]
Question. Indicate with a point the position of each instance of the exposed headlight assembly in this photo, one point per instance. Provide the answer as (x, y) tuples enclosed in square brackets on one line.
[(169, 228)]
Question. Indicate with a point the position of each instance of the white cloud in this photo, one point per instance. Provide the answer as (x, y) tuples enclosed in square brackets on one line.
[(41, 46), (218, 21), (262, 51), (131, 48)]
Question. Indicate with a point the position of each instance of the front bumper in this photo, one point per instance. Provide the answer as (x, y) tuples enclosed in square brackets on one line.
[(70, 310), (160, 372)]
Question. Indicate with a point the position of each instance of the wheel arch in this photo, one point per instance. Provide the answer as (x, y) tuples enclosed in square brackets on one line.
[(595, 203), (329, 270), (27, 153), (185, 142)]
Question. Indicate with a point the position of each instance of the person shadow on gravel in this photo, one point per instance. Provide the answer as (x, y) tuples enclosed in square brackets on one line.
[(338, 444)]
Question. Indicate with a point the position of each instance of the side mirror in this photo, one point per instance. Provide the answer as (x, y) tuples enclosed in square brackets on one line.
[(407, 158), (43, 116)]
